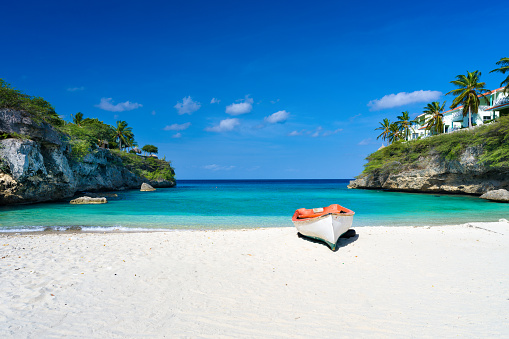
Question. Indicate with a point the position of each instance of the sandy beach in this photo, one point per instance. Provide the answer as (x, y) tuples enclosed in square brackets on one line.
[(442, 281)]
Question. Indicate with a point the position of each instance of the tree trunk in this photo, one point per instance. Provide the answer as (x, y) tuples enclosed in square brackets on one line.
[(469, 117)]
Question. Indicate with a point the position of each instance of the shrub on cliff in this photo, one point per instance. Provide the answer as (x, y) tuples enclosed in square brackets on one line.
[(148, 167), (493, 138), (39, 109)]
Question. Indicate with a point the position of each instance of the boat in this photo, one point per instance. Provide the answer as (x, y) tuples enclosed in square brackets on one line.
[(325, 223)]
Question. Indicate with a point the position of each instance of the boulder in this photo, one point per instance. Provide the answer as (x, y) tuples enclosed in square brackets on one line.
[(500, 195), (88, 200), (146, 188)]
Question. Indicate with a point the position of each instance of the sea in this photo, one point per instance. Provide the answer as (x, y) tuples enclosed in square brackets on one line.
[(237, 204)]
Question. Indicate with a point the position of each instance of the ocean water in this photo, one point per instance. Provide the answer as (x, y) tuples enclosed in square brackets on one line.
[(220, 204)]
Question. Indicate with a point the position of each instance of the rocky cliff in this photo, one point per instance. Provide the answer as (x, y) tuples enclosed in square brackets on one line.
[(433, 173), (35, 164)]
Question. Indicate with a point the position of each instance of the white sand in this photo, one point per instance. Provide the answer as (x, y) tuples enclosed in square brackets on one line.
[(442, 281)]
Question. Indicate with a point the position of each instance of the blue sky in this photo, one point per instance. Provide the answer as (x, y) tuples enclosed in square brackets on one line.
[(250, 89)]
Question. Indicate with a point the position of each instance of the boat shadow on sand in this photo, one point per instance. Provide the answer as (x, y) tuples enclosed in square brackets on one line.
[(342, 242)]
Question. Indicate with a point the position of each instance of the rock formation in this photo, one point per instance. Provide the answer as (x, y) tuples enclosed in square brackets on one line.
[(88, 201), (500, 195), (146, 187), (436, 175), (35, 165)]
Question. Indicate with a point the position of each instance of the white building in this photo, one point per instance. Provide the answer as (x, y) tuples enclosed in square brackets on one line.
[(494, 105)]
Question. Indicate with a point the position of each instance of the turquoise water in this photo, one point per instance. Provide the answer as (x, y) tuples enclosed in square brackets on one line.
[(197, 204)]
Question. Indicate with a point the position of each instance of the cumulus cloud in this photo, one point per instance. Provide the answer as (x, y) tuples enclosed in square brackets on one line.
[(177, 127), (187, 106), (243, 107), (403, 98), (215, 167), (176, 136), (74, 89), (294, 133), (107, 105), (224, 125), (279, 116), (274, 101), (214, 101)]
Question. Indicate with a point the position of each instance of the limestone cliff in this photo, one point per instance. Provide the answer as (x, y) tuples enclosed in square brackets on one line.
[(433, 173), (35, 164)]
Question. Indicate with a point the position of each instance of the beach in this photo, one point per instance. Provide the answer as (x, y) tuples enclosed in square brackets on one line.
[(440, 281)]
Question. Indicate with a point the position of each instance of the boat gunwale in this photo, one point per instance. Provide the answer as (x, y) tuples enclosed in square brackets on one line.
[(305, 220)]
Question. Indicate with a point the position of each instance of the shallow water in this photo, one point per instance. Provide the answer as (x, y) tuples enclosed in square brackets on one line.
[(209, 204)]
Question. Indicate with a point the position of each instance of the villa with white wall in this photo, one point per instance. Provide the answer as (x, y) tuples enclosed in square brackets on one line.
[(494, 105)]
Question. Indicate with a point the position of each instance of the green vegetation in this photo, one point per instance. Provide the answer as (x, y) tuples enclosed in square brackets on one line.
[(435, 123), (504, 68), (492, 138), (469, 89), (84, 135), (37, 107), (404, 124), (150, 149), (148, 167)]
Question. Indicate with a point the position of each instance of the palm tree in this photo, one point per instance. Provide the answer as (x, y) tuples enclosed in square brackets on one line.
[(468, 92), (395, 132), (77, 119), (123, 134), (385, 126), (504, 67), (435, 123), (404, 123)]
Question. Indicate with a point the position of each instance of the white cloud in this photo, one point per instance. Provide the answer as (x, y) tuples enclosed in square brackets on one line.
[(214, 101), (187, 106), (107, 105), (365, 142), (317, 132), (241, 108), (177, 127), (355, 116), (327, 133), (403, 98), (176, 136), (224, 126), (74, 89), (153, 113), (279, 116), (274, 101), (215, 167)]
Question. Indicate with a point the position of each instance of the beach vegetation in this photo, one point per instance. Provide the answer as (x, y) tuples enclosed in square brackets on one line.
[(468, 93), (123, 135), (385, 127), (404, 123), (435, 124), (77, 119), (504, 68)]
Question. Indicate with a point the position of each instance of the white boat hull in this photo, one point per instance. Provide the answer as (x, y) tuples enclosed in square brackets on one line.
[(327, 227)]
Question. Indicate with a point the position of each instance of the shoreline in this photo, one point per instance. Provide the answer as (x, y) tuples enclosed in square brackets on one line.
[(46, 230), (434, 281)]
